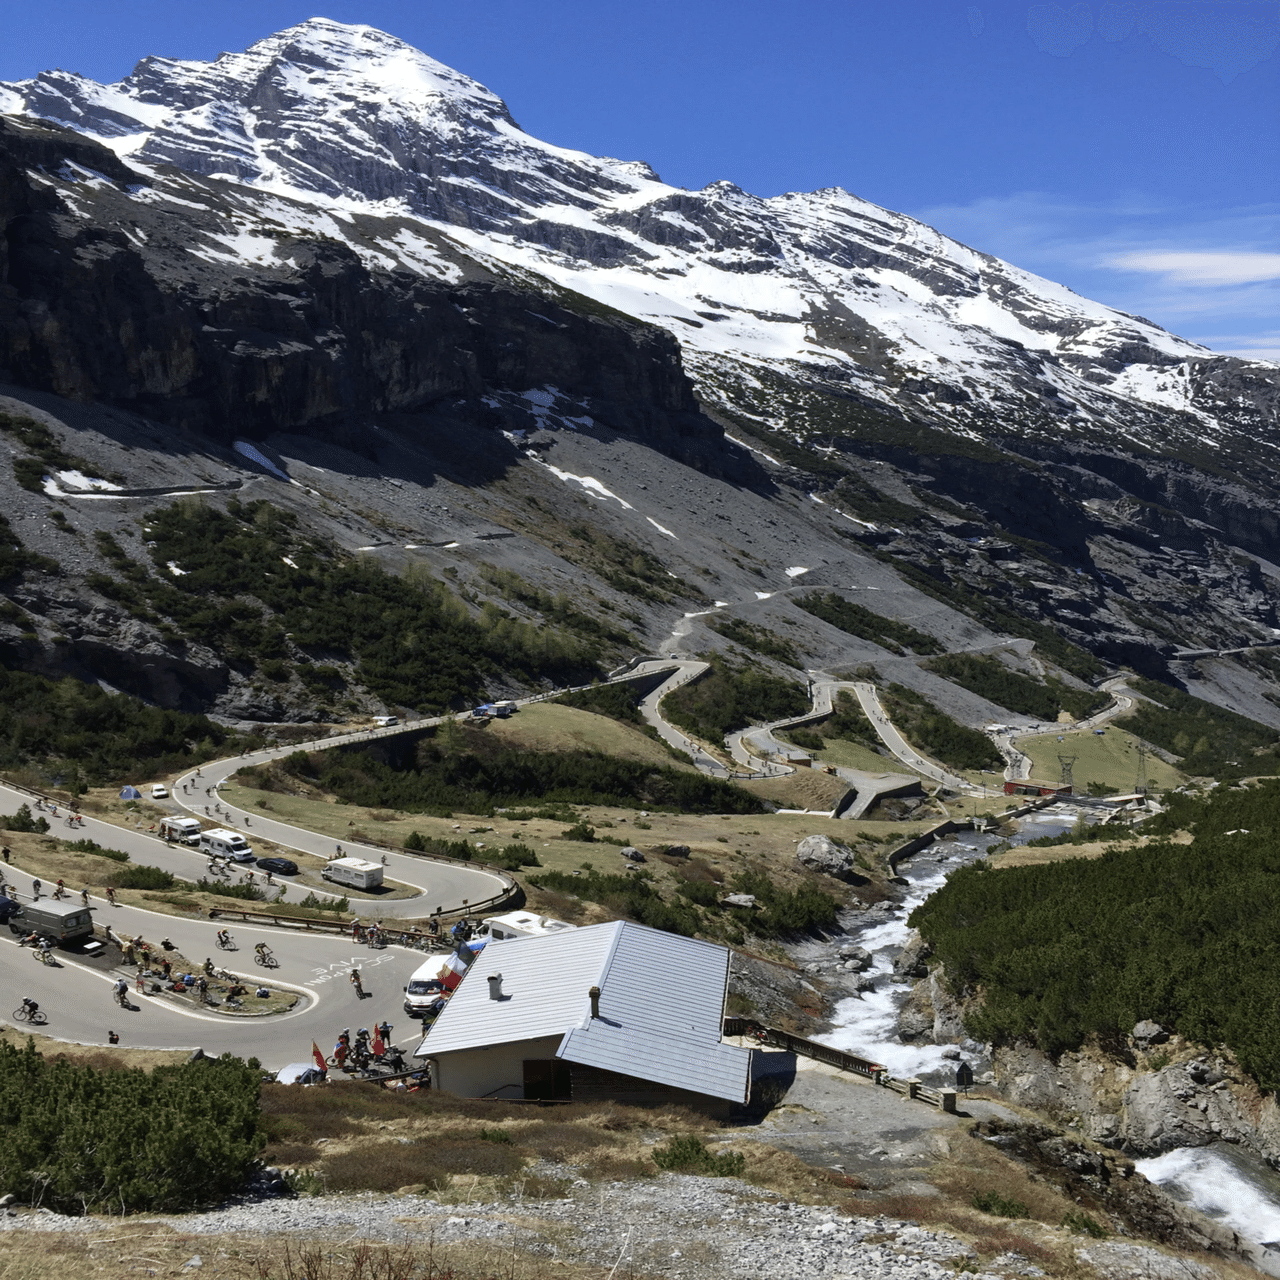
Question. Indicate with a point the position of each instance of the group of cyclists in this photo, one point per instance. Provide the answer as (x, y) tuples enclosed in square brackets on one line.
[(366, 1050)]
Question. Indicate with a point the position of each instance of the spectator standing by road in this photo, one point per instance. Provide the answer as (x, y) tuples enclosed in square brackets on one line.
[(35, 888)]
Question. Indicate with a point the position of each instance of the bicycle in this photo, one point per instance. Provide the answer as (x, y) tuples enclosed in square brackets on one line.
[(44, 957), (226, 943), (266, 959), (25, 1013)]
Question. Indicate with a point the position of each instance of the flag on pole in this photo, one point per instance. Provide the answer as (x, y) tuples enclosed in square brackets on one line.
[(317, 1055), (378, 1047), (452, 973)]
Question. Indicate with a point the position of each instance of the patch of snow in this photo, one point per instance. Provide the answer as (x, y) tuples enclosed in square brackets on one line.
[(660, 529), (591, 485), (289, 562), (796, 571), (764, 595), (246, 450), (173, 568), (722, 604), (742, 444), (78, 480)]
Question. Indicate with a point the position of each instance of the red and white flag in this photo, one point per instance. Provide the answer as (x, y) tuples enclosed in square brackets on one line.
[(317, 1055), (455, 968)]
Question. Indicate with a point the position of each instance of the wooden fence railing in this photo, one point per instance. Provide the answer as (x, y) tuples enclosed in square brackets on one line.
[(784, 1040)]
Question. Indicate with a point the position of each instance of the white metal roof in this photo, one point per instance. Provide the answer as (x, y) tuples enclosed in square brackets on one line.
[(544, 981), (661, 1016), (661, 1005)]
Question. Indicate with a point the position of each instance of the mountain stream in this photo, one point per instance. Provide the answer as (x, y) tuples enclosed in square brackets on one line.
[(1231, 1186)]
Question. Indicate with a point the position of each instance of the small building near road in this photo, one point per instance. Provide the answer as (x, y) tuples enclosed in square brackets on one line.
[(607, 1012), (1029, 787)]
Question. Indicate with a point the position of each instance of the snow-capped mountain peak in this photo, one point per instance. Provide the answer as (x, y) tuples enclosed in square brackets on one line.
[(851, 297)]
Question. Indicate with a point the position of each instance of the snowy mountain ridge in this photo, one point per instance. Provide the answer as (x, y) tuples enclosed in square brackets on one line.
[(823, 287)]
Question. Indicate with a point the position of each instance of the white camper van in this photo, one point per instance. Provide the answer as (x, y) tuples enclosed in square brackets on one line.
[(355, 873), (182, 830), (423, 988), (519, 924), (221, 843)]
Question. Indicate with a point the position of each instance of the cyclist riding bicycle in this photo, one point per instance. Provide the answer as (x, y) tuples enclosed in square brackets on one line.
[(30, 1006), (262, 950), (122, 991), (224, 938)]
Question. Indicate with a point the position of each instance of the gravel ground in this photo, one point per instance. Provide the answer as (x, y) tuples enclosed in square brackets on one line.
[(674, 1225)]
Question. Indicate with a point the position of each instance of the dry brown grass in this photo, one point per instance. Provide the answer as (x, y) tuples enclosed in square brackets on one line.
[(368, 1139), (110, 1059), (547, 726), (123, 1249), (804, 789)]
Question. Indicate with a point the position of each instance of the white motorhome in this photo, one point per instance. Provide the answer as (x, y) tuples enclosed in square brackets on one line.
[(221, 843), (519, 924), (183, 830), (355, 873)]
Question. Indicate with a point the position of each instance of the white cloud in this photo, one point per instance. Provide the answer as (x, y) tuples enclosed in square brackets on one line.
[(1212, 267), (1249, 346)]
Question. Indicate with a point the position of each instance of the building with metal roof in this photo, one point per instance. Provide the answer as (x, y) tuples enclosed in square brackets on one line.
[(614, 1010)]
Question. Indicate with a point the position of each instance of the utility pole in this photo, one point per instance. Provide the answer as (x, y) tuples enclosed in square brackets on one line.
[(1067, 783), (1140, 786)]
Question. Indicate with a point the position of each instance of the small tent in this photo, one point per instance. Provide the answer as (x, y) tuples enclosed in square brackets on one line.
[(130, 793)]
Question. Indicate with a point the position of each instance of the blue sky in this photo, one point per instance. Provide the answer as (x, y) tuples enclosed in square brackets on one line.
[(1129, 150)]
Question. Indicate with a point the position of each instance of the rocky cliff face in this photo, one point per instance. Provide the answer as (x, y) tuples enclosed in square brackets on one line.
[(103, 300), (1153, 1101), (1149, 1098)]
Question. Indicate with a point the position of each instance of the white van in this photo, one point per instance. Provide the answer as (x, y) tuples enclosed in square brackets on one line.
[(221, 843), (183, 830), (423, 990), (355, 873), (385, 722), (519, 924)]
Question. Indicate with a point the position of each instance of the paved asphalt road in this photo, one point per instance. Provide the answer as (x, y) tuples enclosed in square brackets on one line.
[(889, 735), (77, 995)]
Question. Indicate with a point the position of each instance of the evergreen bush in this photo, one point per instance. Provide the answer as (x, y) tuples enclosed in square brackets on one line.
[(79, 1140)]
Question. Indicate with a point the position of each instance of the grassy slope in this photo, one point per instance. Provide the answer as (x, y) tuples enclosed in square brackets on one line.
[(1110, 758), (547, 726)]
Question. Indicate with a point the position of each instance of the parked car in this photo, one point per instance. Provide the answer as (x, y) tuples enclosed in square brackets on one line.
[(301, 1073), (159, 791), (279, 866)]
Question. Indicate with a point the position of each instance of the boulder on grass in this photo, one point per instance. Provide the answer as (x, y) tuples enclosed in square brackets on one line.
[(821, 853)]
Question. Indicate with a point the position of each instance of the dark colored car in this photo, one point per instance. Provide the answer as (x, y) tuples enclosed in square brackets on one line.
[(279, 866)]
